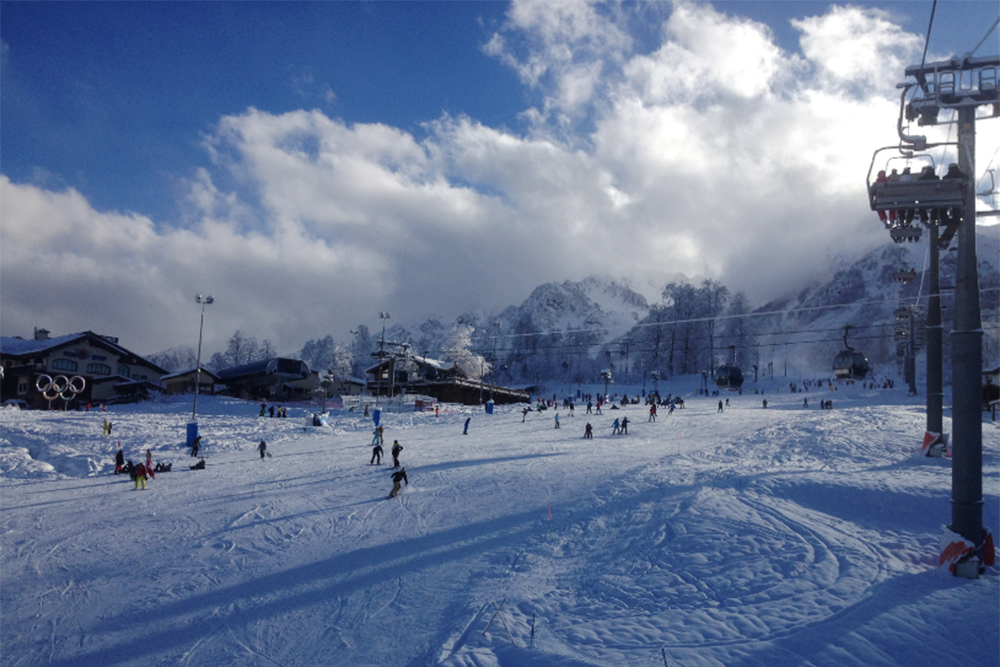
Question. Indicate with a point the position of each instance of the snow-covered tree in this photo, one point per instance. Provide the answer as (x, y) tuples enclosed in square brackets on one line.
[(473, 365)]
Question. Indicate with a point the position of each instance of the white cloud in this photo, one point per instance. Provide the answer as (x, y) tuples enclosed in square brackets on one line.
[(858, 49), (714, 154)]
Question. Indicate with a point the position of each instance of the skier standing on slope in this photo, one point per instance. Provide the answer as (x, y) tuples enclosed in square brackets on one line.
[(396, 449)]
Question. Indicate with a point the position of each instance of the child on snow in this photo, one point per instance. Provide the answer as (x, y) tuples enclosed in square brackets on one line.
[(140, 477)]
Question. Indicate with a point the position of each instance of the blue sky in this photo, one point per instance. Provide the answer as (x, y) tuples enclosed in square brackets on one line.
[(427, 157)]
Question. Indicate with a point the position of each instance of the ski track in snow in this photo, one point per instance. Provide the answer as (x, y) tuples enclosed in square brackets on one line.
[(789, 535)]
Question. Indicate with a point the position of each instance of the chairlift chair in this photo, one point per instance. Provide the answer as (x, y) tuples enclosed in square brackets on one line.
[(899, 202), (909, 233), (904, 275)]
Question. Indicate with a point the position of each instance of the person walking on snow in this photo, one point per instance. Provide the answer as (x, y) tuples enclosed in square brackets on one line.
[(557, 420), (624, 430), (119, 459), (398, 477), (396, 449), (195, 446), (262, 448), (720, 407), (616, 427), (652, 412), (376, 455), (466, 431)]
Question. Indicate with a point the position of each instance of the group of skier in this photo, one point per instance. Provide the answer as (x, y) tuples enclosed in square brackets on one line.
[(280, 413), (399, 476)]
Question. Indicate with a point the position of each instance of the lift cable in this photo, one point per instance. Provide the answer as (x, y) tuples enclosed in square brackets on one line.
[(927, 41), (980, 41)]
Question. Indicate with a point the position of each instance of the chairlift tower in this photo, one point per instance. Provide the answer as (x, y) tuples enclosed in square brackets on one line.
[(960, 84)]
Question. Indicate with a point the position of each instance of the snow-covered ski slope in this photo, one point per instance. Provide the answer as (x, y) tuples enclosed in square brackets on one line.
[(786, 536)]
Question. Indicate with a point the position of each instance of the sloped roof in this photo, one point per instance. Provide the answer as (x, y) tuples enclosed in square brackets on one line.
[(187, 371), (20, 347)]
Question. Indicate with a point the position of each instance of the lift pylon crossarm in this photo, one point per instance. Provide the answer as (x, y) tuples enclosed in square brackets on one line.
[(952, 83)]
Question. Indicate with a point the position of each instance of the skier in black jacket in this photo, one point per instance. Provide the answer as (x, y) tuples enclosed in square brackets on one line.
[(397, 477), (396, 449)]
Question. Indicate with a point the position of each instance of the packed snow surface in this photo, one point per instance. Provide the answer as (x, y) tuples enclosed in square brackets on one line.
[(781, 536)]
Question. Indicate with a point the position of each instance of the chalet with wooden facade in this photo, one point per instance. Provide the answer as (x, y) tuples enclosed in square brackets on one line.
[(111, 372)]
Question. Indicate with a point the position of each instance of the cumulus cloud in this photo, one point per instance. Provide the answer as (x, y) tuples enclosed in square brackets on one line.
[(714, 154)]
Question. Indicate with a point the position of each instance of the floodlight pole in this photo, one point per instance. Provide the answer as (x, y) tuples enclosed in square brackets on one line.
[(197, 375)]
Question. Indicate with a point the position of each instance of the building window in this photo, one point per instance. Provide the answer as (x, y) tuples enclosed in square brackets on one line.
[(140, 377), (63, 365), (22, 387), (123, 370), (99, 369)]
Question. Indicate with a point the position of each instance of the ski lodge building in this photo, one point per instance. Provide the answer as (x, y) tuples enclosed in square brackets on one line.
[(442, 380), (110, 372)]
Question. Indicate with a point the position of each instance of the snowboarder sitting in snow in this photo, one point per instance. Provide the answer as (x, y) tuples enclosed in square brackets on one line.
[(397, 477), (200, 465), (376, 455), (163, 467), (140, 477), (396, 449)]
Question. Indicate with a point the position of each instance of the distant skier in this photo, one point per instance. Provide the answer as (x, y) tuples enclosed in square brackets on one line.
[(624, 430), (805, 402), (119, 460), (588, 432), (263, 408), (466, 430), (376, 455), (720, 407), (652, 412), (396, 449), (398, 477), (262, 448), (590, 407), (195, 446), (270, 412), (765, 404), (616, 427), (557, 420), (149, 458)]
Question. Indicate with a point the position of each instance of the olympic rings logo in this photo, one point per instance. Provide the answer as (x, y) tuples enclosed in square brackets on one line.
[(60, 387)]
